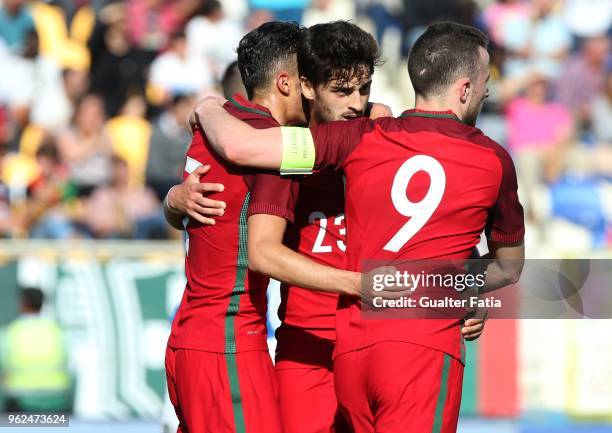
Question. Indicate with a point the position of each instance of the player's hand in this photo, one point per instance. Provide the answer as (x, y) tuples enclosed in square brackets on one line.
[(472, 328), (375, 285), (200, 110), (380, 110), (188, 198)]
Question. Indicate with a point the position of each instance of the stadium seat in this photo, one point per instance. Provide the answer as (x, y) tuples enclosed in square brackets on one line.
[(82, 24), (130, 137), (54, 41), (50, 24), (31, 138), (19, 170)]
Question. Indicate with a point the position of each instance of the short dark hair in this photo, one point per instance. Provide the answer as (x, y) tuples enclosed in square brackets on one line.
[(262, 51), (338, 50), (32, 298), (231, 82), (444, 53)]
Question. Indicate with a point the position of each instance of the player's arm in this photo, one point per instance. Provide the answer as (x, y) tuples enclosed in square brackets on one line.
[(506, 265), (272, 204), (268, 255), (505, 230), (293, 150)]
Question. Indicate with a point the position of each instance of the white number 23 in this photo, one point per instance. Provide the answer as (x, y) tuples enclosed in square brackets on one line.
[(421, 211)]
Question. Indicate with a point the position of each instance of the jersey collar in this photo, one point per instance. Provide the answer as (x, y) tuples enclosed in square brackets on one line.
[(431, 114), (245, 105)]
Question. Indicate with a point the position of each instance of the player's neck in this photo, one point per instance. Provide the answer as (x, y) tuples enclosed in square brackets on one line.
[(436, 104), (312, 118), (274, 104)]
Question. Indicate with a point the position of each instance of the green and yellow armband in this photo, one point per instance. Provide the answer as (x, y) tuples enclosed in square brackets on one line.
[(298, 150)]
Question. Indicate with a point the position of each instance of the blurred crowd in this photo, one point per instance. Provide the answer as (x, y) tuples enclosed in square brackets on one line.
[(94, 95)]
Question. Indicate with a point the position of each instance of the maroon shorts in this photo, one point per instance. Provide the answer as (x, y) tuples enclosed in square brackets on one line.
[(223, 392), (395, 387)]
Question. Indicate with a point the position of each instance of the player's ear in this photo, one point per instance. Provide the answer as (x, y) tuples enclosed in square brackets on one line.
[(283, 83), (465, 88), (308, 91)]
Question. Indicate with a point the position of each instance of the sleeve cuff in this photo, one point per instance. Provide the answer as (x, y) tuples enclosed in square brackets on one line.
[(507, 238), (271, 209)]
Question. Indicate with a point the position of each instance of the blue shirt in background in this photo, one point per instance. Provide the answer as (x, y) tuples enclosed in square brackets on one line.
[(14, 29)]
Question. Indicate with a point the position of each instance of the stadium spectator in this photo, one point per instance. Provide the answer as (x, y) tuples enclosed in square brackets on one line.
[(6, 223), (540, 42), (31, 85), (329, 10), (539, 134), (5, 130), (130, 133), (588, 18), (34, 360), (117, 67), (76, 84), (168, 145), (48, 196), (85, 146), (151, 22), (210, 25), (586, 67), (601, 110), (123, 210), (15, 24), (180, 71), (418, 14), (257, 18), (383, 13), (497, 14)]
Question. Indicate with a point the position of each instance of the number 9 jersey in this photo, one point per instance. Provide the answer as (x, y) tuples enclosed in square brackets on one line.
[(421, 186)]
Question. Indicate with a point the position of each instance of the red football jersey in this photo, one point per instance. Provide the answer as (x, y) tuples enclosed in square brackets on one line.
[(421, 186), (224, 305), (307, 333)]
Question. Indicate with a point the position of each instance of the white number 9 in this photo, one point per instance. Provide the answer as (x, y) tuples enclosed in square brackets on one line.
[(419, 212)]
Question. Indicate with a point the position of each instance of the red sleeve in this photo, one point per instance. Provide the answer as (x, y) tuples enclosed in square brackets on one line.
[(335, 141), (506, 223), (197, 154), (272, 194)]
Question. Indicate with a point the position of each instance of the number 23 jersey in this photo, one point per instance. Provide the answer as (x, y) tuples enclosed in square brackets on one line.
[(307, 333)]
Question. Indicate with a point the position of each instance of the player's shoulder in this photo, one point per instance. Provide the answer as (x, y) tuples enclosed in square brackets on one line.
[(359, 123), (478, 137), (501, 154), (352, 130)]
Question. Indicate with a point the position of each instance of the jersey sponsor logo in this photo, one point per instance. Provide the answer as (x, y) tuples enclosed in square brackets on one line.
[(191, 165)]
